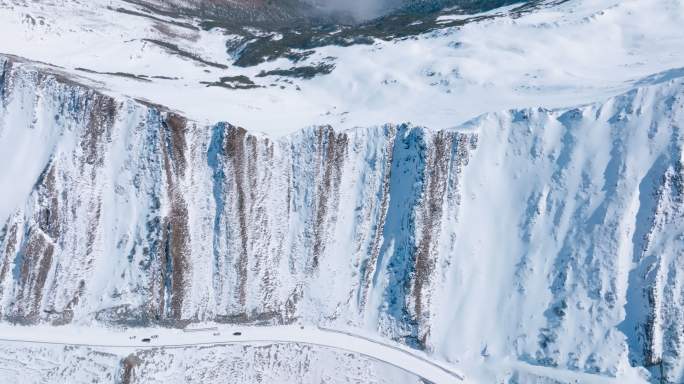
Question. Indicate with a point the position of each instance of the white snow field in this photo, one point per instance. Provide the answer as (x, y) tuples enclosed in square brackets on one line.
[(573, 53)]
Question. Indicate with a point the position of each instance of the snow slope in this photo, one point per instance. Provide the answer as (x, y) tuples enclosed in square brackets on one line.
[(550, 57)]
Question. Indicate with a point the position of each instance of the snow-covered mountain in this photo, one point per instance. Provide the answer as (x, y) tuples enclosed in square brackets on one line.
[(540, 241)]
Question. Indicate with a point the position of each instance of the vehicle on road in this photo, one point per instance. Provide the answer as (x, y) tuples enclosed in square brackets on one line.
[(237, 333), (146, 340)]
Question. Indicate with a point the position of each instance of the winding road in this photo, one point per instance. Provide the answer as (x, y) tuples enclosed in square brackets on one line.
[(394, 354)]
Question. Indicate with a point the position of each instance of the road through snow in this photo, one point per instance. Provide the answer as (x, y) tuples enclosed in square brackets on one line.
[(103, 338)]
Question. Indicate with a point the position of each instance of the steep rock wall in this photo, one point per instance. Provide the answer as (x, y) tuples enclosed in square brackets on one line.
[(122, 212)]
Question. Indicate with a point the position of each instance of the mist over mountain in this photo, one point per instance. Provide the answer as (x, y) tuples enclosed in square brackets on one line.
[(289, 13), (362, 10)]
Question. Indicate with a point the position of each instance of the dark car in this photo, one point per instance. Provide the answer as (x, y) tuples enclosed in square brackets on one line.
[(146, 340), (237, 333)]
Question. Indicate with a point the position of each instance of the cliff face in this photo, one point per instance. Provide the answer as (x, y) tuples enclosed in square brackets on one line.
[(550, 235), (123, 212)]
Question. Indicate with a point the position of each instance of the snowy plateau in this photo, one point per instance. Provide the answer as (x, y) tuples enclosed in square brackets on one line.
[(321, 191)]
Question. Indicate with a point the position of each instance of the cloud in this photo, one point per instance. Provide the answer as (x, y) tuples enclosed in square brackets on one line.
[(361, 9)]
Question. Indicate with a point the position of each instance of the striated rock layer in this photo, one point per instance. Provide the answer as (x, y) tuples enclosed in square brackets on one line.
[(554, 236)]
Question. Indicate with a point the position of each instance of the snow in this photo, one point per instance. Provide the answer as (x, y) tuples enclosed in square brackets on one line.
[(129, 341), (502, 11), (549, 58), (122, 342), (242, 363)]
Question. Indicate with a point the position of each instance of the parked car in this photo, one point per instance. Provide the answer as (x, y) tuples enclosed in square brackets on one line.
[(237, 333), (146, 340)]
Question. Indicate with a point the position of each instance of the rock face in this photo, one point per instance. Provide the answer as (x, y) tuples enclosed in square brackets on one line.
[(554, 236)]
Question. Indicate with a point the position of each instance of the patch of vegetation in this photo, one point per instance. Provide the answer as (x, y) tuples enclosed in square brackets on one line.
[(296, 45), (233, 82), (304, 72)]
